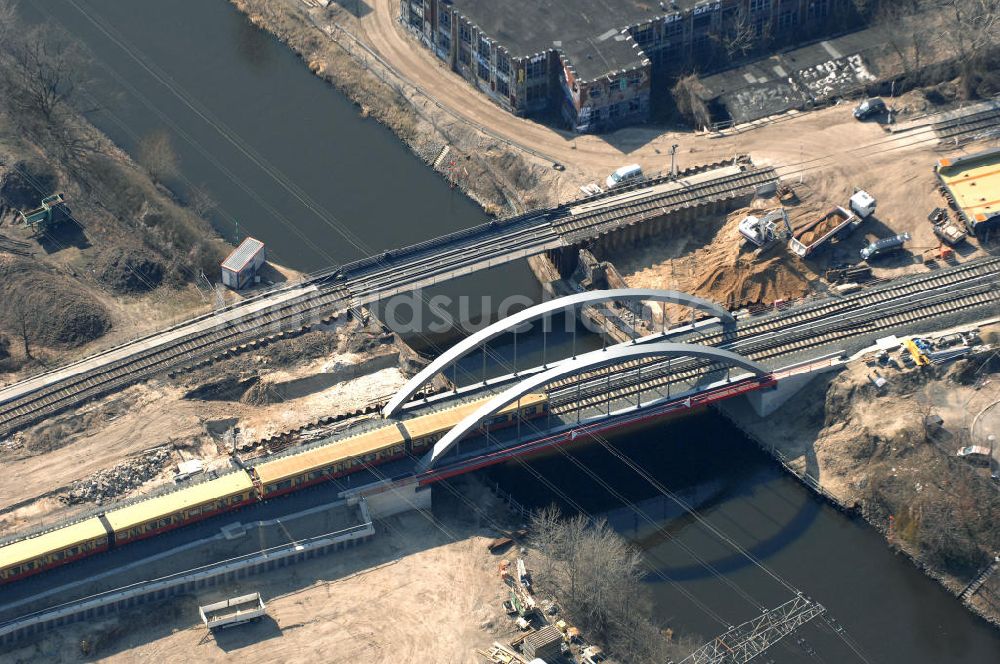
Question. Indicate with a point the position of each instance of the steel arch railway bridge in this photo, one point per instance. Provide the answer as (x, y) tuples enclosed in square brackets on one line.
[(511, 323), (540, 378)]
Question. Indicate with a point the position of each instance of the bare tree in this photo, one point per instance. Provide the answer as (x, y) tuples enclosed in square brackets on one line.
[(157, 155), (687, 97), (597, 577), (741, 36), (21, 317), (41, 73)]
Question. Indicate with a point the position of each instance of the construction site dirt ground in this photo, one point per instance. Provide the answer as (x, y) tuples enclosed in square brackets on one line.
[(711, 259), (40, 467), (418, 591)]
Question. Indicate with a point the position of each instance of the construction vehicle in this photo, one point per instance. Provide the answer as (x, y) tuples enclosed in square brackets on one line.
[(592, 655), (522, 575), (814, 235), (945, 229), (886, 245), (52, 211), (838, 223), (767, 229), (918, 351)]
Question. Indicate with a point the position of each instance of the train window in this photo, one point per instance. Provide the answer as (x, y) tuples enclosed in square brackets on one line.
[(500, 419), (530, 410)]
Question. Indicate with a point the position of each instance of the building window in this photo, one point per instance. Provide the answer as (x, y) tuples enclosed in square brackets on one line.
[(464, 56), (614, 110), (634, 105), (536, 68), (819, 9), (759, 6), (466, 33), (444, 20), (484, 47), (483, 71), (788, 17), (644, 35), (502, 88), (444, 41), (503, 64)]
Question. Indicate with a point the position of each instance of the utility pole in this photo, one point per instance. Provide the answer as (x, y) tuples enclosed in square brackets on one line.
[(746, 641), (673, 161)]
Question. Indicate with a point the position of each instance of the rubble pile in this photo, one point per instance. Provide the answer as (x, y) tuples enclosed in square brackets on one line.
[(112, 482)]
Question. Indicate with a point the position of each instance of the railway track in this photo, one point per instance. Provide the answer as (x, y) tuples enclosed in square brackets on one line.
[(586, 225), (48, 400), (831, 326), (954, 128)]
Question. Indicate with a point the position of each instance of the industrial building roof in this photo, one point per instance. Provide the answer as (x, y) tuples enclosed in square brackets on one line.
[(587, 32), (242, 254), (817, 72), (974, 183)]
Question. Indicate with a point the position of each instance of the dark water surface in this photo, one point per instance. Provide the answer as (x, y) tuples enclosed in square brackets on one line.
[(886, 605), (277, 148), (291, 161)]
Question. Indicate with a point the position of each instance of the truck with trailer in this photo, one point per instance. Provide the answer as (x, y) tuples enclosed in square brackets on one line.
[(838, 222)]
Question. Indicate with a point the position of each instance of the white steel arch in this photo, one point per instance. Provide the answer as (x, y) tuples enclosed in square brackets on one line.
[(613, 355), (473, 341)]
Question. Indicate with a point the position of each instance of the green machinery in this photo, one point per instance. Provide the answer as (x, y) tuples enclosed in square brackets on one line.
[(52, 212)]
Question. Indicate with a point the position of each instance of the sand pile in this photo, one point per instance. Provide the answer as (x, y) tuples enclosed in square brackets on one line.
[(719, 266)]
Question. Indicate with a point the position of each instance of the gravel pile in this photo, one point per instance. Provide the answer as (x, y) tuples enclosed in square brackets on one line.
[(112, 482)]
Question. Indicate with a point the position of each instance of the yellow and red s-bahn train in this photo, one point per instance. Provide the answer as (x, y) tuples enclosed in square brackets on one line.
[(130, 523)]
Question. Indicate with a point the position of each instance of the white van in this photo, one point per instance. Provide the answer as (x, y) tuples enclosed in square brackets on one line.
[(624, 175)]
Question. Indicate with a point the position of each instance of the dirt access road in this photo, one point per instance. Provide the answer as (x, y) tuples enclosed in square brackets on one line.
[(818, 138)]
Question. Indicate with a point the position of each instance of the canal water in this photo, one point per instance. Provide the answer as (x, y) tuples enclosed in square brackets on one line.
[(292, 162)]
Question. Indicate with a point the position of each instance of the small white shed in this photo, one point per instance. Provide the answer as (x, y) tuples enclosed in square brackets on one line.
[(240, 267)]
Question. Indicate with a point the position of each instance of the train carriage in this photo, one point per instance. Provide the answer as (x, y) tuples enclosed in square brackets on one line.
[(334, 460), (426, 430), (200, 501), (155, 515), (413, 437), (56, 547)]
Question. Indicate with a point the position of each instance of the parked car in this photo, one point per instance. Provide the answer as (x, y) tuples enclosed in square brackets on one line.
[(625, 175), (868, 108)]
